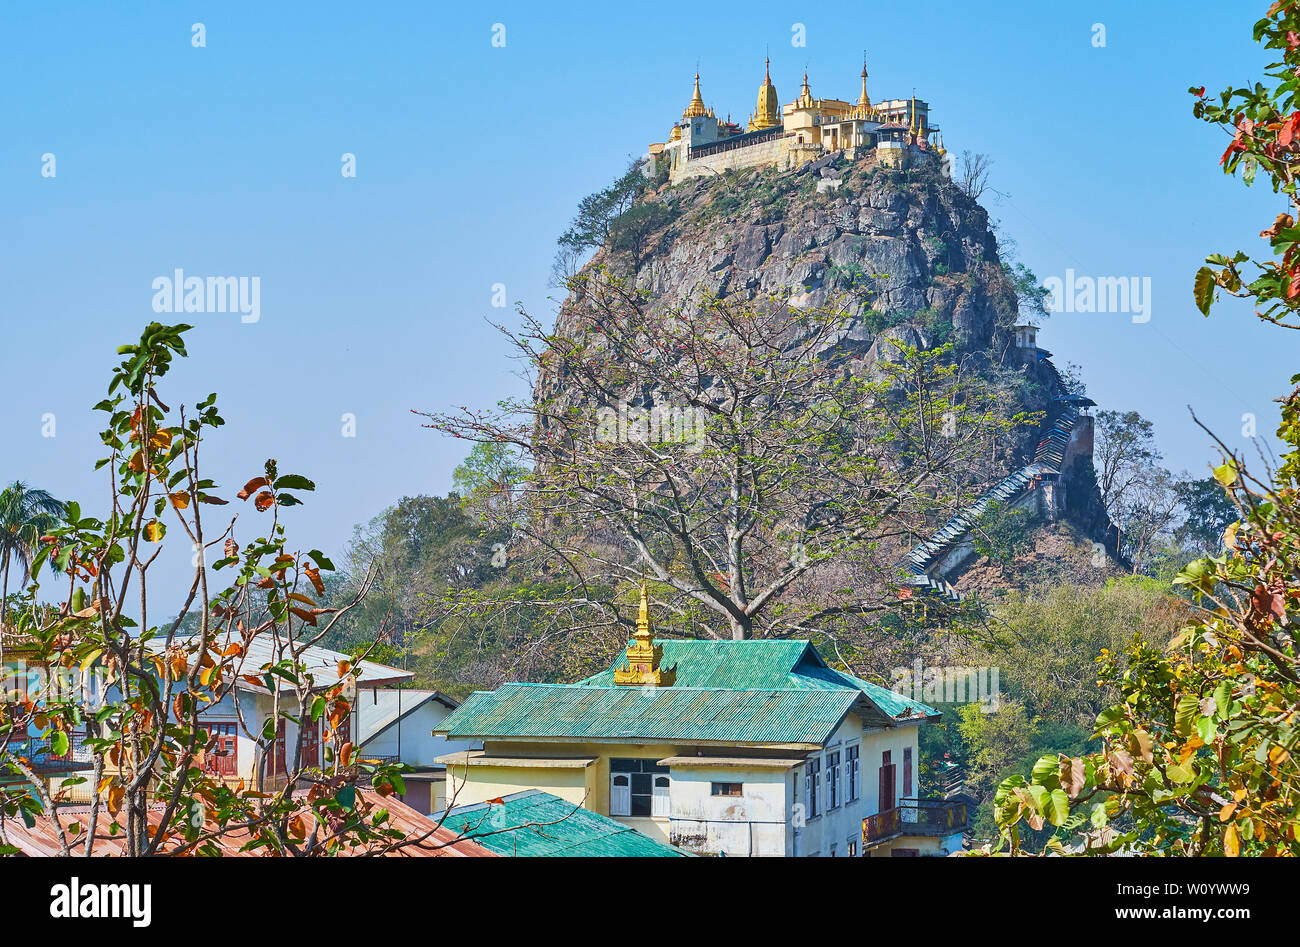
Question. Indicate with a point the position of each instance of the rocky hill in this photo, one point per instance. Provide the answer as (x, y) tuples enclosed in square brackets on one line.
[(907, 252)]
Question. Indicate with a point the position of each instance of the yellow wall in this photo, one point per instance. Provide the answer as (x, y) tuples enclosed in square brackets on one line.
[(587, 787)]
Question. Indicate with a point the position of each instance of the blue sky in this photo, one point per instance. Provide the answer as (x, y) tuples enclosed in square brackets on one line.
[(470, 159)]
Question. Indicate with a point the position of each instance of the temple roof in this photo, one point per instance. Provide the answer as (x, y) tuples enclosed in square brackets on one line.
[(751, 692)]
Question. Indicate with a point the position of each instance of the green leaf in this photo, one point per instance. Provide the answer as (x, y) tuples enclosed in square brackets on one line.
[(1223, 698), (1205, 729), (1058, 809), (1186, 711), (294, 482), (1226, 473), (1180, 773), (1203, 289), (1047, 772), (321, 560), (58, 743)]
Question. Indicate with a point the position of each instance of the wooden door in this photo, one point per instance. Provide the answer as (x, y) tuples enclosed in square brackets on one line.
[(886, 782)]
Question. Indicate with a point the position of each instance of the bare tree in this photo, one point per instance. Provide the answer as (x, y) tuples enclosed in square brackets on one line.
[(733, 454), (973, 174)]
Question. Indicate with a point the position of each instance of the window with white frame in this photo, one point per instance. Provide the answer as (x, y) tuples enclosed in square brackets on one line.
[(832, 779), (659, 801), (852, 773), (638, 787), (851, 848), (620, 794), (812, 781)]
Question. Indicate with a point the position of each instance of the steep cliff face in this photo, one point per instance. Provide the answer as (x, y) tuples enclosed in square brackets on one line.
[(903, 250), (906, 252)]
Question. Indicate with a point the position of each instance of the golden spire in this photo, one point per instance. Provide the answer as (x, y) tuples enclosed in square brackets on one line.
[(766, 116), (805, 94), (644, 656), (864, 100), (696, 108), (643, 615)]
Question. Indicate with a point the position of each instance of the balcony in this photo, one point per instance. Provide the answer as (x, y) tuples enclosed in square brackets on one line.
[(36, 753), (881, 827), (935, 817)]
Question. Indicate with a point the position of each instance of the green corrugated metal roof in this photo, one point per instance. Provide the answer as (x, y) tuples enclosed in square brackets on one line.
[(540, 824), (684, 714), (726, 691), (743, 665)]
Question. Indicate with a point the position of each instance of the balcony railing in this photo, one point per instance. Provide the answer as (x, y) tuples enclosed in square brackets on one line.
[(881, 826), (38, 756), (934, 816)]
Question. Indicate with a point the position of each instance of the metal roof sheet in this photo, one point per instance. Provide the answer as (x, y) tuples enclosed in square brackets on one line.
[(379, 708), (322, 663), (533, 823), (767, 692)]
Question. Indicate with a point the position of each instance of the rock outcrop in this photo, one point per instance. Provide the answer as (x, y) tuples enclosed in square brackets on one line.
[(906, 252)]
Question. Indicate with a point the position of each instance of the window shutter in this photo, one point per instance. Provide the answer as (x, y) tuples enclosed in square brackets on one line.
[(659, 803), (620, 794)]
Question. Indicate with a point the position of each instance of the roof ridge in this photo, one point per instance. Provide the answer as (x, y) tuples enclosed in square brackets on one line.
[(672, 687)]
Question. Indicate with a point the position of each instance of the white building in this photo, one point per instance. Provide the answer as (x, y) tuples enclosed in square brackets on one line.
[(731, 748)]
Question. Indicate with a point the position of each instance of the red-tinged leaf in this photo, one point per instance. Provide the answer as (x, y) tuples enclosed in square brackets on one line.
[(255, 484), (1288, 130), (305, 615), (1280, 223), (1121, 761), (264, 500), (1268, 602), (314, 576), (1073, 776)]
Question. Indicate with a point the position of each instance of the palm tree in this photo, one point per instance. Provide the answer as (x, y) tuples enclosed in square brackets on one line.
[(25, 515)]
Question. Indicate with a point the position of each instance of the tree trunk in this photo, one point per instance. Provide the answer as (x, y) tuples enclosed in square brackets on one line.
[(4, 595)]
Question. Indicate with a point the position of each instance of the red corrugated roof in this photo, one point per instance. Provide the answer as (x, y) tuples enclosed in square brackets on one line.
[(41, 840)]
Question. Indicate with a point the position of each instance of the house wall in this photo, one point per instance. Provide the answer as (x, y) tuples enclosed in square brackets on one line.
[(411, 738), (764, 820), (832, 830), (587, 787), (469, 785), (752, 824)]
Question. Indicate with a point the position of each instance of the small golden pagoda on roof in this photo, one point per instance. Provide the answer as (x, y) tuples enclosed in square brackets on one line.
[(643, 655), (768, 113), (696, 107)]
